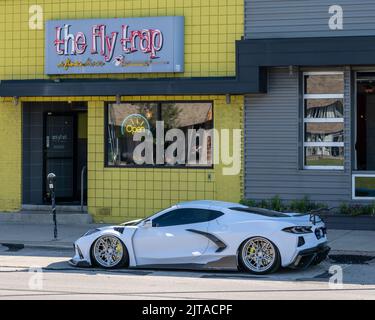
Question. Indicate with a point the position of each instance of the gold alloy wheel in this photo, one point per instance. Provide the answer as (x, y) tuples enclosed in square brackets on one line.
[(108, 251), (258, 254)]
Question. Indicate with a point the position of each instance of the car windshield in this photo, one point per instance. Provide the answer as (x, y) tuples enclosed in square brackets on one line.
[(261, 211), (139, 221)]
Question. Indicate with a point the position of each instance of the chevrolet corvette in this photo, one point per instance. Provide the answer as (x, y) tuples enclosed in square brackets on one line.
[(207, 235)]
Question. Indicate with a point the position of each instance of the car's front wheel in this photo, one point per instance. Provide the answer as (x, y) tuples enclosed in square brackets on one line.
[(259, 255), (109, 252)]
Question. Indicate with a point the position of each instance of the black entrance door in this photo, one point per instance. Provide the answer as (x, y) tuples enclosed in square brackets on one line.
[(59, 153)]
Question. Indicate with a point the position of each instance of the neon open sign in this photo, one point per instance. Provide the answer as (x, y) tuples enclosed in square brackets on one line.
[(134, 45), (135, 123)]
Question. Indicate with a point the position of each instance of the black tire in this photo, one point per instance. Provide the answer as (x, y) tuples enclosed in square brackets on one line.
[(243, 265), (122, 263)]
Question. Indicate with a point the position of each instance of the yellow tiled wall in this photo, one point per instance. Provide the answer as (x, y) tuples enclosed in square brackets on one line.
[(211, 29), (10, 156)]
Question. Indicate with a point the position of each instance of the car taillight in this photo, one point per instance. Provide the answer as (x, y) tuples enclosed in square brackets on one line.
[(298, 230)]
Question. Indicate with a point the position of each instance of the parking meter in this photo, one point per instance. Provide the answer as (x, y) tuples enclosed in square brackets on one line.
[(51, 181)]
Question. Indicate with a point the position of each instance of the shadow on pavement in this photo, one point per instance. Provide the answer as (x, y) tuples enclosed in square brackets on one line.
[(353, 273)]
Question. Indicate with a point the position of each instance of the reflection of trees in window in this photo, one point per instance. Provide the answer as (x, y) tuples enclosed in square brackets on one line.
[(113, 151), (184, 116), (171, 113), (194, 118), (324, 132)]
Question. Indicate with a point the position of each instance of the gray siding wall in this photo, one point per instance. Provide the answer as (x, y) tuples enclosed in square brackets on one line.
[(306, 18), (273, 146)]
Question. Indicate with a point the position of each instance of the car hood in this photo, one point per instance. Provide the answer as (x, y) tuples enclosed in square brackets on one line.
[(126, 224), (106, 228)]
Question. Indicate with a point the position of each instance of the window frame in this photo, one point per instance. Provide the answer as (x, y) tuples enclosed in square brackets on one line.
[(145, 166), (320, 120)]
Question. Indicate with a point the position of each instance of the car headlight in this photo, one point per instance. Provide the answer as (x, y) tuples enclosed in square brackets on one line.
[(90, 232), (299, 230)]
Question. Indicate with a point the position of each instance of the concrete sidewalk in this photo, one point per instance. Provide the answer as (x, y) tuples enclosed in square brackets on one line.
[(31, 235), (352, 241)]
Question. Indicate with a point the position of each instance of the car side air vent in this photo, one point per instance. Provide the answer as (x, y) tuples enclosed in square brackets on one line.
[(119, 229), (301, 241)]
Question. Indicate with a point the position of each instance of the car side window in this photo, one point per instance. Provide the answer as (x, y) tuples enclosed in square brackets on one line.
[(185, 216)]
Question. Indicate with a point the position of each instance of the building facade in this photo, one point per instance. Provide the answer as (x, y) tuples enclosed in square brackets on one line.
[(77, 77), (309, 126)]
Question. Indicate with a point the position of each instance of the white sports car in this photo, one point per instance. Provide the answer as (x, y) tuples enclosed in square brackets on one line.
[(208, 235)]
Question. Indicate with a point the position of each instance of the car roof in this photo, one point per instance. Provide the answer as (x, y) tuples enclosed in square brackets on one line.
[(209, 204)]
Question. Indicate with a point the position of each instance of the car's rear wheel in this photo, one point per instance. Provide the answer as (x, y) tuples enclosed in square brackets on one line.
[(259, 255), (109, 252)]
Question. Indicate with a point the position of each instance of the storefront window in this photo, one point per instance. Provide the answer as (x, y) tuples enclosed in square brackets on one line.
[(323, 120), (158, 122)]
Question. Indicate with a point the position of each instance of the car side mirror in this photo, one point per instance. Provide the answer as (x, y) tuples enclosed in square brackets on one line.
[(147, 224)]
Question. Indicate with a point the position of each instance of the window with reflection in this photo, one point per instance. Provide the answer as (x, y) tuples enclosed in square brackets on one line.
[(324, 132), (364, 187), (324, 83), (324, 108), (323, 120), (125, 120)]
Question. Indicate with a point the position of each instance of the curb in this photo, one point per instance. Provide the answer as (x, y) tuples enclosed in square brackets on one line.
[(17, 245)]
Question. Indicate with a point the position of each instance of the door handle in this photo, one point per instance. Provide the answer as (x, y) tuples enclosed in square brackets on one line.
[(47, 142)]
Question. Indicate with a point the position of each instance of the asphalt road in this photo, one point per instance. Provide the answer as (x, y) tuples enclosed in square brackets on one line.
[(58, 280)]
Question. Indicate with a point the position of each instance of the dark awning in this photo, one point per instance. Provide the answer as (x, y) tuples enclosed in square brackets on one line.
[(253, 57), (128, 87), (307, 52)]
